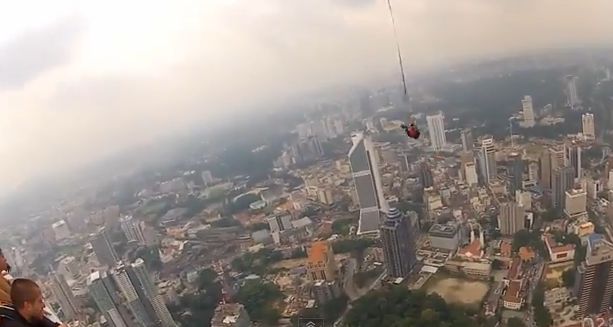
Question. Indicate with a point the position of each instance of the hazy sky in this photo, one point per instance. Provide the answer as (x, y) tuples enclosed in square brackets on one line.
[(80, 78)]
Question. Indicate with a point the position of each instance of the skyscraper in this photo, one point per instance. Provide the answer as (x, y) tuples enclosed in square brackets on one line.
[(467, 140), (470, 173), (149, 294), (102, 290), (132, 229), (571, 92), (103, 248), (368, 185), (562, 181), (572, 157), (398, 245), (436, 128), (516, 171), (587, 123), (510, 218), (63, 294), (487, 159), (528, 111), (594, 278), (545, 169), (130, 297), (425, 177)]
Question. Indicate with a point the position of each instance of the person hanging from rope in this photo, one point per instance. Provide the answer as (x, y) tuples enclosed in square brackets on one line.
[(411, 130)]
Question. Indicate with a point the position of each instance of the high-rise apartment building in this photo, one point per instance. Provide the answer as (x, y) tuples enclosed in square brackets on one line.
[(103, 248), (545, 167), (594, 278), (133, 229), (426, 178), (516, 171), (587, 123), (104, 293), (487, 159), (572, 157), (572, 96), (149, 294), (511, 218), (398, 245), (562, 181), (436, 128), (367, 181), (63, 294), (130, 297), (528, 111), (470, 173), (320, 263), (467, 140)]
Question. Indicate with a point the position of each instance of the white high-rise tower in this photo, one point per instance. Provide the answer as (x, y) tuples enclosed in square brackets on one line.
[(587, 121), (528, 111), (571, 92), (436, 128), (367, 180)]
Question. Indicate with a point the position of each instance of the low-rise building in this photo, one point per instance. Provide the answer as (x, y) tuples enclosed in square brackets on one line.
[(472, 269), (444, 237), (555, 298), (230, 315), (558, 252), (512, 298)]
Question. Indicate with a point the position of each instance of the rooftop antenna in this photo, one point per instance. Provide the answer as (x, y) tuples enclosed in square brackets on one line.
[(404, 82)]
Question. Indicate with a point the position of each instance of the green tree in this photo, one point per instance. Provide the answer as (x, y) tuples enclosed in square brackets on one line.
[(542, 317), (257, 263), (258, 297), (515, 322), (197, 309), (342, 226), (397, 306), (352, 245)]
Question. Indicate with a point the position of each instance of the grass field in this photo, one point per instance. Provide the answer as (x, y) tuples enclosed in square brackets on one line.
[(457, 290)]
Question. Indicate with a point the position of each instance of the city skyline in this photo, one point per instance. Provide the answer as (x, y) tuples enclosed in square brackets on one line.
[(113, 79), (319, 210)]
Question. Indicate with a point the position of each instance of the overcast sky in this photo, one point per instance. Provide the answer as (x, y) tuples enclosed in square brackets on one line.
[(80, 79)]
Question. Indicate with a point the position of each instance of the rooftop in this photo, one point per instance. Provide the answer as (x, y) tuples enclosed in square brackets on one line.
[(513, 292), (318, 251), (471, 250), (227, 314), (446, 230)]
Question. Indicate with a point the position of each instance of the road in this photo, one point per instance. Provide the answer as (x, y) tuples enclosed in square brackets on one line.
[(348, 283), (533, 276)]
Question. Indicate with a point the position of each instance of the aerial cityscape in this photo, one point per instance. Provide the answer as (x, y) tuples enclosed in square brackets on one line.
[(487, 219), (337, 163)]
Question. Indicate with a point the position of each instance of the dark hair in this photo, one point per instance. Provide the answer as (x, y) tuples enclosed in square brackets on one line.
[(24, 291)]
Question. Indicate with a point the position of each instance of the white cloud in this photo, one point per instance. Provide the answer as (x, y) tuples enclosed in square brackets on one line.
[(139, 68)]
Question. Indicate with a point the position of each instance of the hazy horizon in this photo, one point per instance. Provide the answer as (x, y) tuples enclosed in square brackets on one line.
[(79, 81)]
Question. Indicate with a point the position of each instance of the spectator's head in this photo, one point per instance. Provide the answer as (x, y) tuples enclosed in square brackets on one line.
[(27, 298), (4, 266)]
